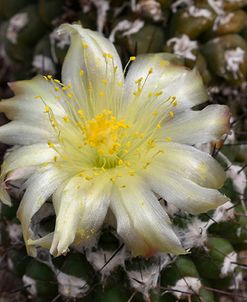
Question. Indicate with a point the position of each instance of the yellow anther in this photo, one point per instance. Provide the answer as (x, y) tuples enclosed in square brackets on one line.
[(80, 112), (49, 77), (174, 104), (132, 173), (104, 133), (146, 165), (120, 162), (105, 82), (139, 80), (57, 98), (132, 58), (84, 45), (57, 81), (38, 97), (109, 56), (120, 84), (54, 124), (168, 139), (70, 95), (87, 177), (56, 88), (81, 72), (151, 143), (66, 119), (150, 94), (158, 93), (127, 163), (55, 158), (101, 93), (171, 114), (113, 179), (150, 70), (155, 113), (158, 126), (45, 77), (47, 108), (50, 144), (69, 85)]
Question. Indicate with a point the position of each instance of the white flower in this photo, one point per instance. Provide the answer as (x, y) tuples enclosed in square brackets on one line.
[(99, 143)]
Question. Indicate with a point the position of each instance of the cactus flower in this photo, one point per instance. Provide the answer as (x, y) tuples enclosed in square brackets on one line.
[(101, 142)]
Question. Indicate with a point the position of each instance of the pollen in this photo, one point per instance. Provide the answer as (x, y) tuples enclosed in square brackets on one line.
[(50, 144), (47, 108), (104, 133), (81, 113), (171, 114), (66, 119), (132, 58)]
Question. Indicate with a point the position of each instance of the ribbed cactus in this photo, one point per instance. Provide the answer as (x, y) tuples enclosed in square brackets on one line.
[(211, 35)]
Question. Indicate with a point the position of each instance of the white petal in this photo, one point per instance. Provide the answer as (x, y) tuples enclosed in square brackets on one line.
[(167, 76), (145, 217), (44, 242), (21, 133), (192, 127), (4, 196), (81, 209), (190, 163), (39, 188), (86, 55), (27, 156), (25, 106), (126, 230), (184, 193)]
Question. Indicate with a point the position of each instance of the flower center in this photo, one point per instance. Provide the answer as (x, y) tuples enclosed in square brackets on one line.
[(105, 133)]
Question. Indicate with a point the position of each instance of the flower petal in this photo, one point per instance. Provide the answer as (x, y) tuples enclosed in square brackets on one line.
[(27, 156), (184, 193), (20, 133), (93, 68), (44, 242), (4, 196), (145, 218), (192, 127), (29, 101), (81, 208), (39, 187), (191, 163), (164, 73)]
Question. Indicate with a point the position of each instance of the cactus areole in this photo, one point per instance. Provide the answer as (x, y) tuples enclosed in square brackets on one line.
[(107, 140)]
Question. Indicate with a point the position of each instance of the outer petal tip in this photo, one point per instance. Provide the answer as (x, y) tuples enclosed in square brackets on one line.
[(226, 117), (4, 196)]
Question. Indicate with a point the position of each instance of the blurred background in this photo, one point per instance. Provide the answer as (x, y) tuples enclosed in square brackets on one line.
[(208, 34)]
